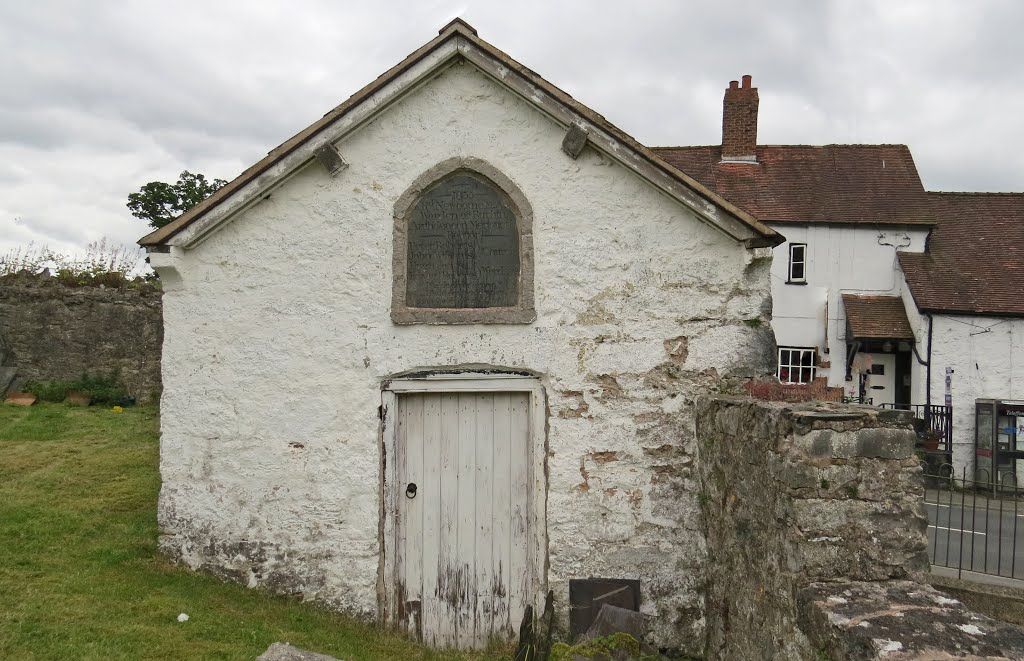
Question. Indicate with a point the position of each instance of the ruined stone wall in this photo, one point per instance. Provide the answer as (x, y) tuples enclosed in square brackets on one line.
[(798, 494), (52, 331)]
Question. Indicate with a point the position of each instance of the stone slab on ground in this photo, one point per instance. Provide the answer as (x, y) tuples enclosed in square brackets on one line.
[(612, 619), (898, 621), (285, 652), (615, 635), (20, 399)]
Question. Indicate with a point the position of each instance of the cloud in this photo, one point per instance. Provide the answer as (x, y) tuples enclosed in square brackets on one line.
[(97, 99)]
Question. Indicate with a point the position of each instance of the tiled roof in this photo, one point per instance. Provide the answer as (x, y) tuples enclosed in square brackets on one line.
[(869, 184), (877, 317), (974, 263)]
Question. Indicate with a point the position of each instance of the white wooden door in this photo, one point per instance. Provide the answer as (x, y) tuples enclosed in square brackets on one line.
[(882, 379), (462, 537)]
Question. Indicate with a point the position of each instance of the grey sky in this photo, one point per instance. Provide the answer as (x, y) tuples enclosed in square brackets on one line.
[(99, 98)]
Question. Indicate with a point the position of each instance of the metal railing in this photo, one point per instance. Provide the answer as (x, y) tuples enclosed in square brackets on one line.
[(972, 527), (935, 427)]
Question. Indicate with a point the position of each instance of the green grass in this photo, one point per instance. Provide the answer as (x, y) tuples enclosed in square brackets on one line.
[(80, 577)]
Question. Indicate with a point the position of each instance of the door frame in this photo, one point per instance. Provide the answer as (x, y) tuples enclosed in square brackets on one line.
[(448, 382)]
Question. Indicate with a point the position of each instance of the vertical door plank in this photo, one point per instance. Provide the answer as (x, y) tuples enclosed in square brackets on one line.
[(449, 576), (401, 514), (465, 603), (484, 518), (429, 495), (502, 516), (414, 515), (520, 502)]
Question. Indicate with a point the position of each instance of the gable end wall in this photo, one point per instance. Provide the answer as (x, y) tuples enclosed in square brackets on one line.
[(278, 337)]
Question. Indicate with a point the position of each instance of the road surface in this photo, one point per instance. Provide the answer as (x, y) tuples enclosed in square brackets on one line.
[(987, 533)]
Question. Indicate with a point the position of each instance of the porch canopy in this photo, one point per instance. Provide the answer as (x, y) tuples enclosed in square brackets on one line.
[(876, 318)]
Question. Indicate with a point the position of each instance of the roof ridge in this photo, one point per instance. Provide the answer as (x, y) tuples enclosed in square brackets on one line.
[(870, 296), (976, 193), (830, 144)]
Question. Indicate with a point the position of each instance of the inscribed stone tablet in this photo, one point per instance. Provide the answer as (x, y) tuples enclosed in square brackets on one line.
[(463, 247)]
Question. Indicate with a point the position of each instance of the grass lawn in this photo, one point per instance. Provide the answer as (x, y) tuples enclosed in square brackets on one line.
[(80, 577)]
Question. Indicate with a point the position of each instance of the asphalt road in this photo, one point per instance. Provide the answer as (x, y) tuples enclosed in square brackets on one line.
[(987, 533)]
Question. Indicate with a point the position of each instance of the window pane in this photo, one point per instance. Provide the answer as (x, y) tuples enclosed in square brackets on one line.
[(797, 254), (796, 272), (796, 365)]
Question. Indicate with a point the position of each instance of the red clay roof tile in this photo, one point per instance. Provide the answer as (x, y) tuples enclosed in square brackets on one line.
[(869, 184), (877, 317), (974, 263)]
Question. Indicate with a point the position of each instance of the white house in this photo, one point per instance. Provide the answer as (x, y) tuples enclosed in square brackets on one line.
[(964, 299), (434, 355), (856, 219), (846, 211)]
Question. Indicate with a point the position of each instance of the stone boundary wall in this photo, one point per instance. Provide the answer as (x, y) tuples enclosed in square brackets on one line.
[(817, 539), (53, 331), (794, 494)]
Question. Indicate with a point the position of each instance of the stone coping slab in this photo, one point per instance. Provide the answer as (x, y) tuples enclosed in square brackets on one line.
[(900, 620)]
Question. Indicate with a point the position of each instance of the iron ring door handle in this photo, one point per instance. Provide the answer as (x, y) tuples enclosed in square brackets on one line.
[(410, 490)]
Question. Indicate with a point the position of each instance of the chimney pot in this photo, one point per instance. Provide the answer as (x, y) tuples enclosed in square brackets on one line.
[(746, 81), (734, 84)]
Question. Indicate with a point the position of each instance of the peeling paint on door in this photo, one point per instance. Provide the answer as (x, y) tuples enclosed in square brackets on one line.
[(462, 534)]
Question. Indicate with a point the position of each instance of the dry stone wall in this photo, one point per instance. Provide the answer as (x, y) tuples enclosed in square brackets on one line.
[(796, 494), (817, 544), (51, 331)]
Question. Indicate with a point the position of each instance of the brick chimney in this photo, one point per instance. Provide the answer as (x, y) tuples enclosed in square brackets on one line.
[(739, 122)]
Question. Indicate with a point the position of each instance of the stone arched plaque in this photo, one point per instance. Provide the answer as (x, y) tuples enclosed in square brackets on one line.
[(463, 248)]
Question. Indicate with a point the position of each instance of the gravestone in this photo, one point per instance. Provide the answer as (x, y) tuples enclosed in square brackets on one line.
[(463, 247)]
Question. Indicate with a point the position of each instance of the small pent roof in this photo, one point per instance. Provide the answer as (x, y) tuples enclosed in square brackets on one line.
[(877, 318)]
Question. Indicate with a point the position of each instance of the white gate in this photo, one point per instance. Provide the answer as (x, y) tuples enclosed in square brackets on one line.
[(463, 531)]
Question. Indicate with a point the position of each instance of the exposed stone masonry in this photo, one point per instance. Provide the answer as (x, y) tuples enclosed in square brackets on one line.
[(816, 534), (53, 331)]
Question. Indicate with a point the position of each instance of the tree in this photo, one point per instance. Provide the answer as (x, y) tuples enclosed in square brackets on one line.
[(159, 202)]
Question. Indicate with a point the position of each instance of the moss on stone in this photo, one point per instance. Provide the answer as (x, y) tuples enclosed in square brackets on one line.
[(605, 646)]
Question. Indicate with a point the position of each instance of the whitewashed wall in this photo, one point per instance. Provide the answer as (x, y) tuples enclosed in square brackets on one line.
[(987, 358), (278, 336), (840, 259)]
